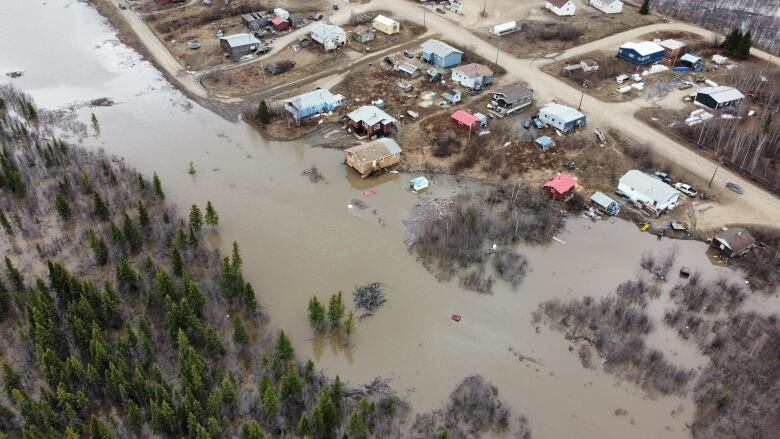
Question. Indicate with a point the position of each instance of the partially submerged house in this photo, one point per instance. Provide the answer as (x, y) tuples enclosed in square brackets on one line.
[(280, 24), (256, 20), (608, 6), (314, 102), (512, 97), (672, 48), (719, 97), (605, 203), (364, 35), (440, 54), (330, 36), (561, 7), (733, 242), (240, 45), (644, 52), (648, 191), (561, 117), (465, 120), (560, 186), (370, 121), (474, 76), (386, 25), (373, 156)]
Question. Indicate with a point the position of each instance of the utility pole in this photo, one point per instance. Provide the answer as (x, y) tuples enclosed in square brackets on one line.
[(484, 9), (425, 12), (498, 46), (582, 90), (720, 160)]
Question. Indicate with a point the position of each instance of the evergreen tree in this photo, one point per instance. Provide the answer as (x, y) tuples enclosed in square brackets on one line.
[(86, 184), (732, 42), (11, 379), (326, 416), (304, 426), (336, 309), (178, 264), (263, 113), (316, 314), (14, 275), (251, 430), (212, 218), (141, 183), (143, 214), (291, 384), (349, 326), (131, 234), (645, 8), (157, 186), (309, 368), (227, 391), (270, 403), (5, 223), (356, 429), (743, 48), (99, 248), (240, 336), (62, 206), (337, 391), (283, 352), (196, 219), (100, 208), (214, 346)]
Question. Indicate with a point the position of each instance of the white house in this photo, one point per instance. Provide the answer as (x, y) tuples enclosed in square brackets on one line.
[(648, 190), (281, 13), (561, 7), (473, 76), (329, 36), (561, 117), (608, 6)]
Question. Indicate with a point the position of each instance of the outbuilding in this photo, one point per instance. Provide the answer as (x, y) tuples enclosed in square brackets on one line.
[(692, 61), (503, 28), (561, 7), (589, 65), (314, 102), (373, 156), (560, 186), (733, 242), (240, 45), (561, 117), (410, 69), (645, 52), (649, 191), (452, 96), (330, 36), (605, 203), (672, 48), (370, 121), (465, 120), (719, 97), (365, 35), (280, 24), (545, 143), (608, 6), (473, 76), (281, 13), (512, 97), (256, 20), (440, 54), (386, 25)]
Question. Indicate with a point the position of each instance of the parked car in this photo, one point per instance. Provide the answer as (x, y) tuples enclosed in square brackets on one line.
[(685, 85), (735, 187), (441, 11), (409, 54), (389, 61), (316, 17), (335, 7), (663, 176), (527, 124), (686, 189)]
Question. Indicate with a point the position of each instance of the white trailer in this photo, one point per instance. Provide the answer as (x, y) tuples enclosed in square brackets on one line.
[(503, 28)]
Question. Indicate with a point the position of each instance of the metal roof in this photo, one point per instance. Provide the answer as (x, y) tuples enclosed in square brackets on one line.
[(323, 31), (370, 115), (438, 48), (559, 3), (735, 238), (643, 48), (544, 140), (693, 59), (514, 92), (239, 40), (722, 93), (465, 117), (474, 70), (562, 112), (647, 185), (671, 44), (387, 21), (602, 199), (562, 183), (314, 98), (379, 148)]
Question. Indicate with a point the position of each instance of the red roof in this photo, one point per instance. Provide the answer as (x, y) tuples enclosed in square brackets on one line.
[(465, 118), (277, 21), (562, 183)]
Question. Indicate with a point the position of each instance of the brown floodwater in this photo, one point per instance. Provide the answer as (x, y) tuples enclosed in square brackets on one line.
[(301, 239)]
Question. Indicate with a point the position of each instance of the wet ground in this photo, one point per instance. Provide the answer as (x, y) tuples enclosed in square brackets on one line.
[(300, 239)]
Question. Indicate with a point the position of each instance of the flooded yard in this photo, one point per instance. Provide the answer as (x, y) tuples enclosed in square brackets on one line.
[(301, 239)]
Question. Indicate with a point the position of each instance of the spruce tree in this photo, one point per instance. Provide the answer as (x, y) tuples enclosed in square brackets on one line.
[(240, 336), (645, 8), (356, 429), (63, 207), (283, 352), (743, 48), (316, 314), (196, 218), (270, 403), (100, 208), (157, 186), (143, 214), (130, 233), (5, 223), (251, 430), (178, 264), (291, 384), (336, 309), (349, 326), (14, 275), (213, 344), (263, 113), (99, 248), (212, 218)]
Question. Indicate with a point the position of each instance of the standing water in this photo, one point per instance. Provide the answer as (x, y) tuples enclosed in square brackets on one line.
[(301, 239)]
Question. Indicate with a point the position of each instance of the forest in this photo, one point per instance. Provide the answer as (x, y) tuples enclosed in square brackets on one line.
[(120, 319)]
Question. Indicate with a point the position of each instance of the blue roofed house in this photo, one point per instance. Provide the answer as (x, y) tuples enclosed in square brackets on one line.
[(692, 61), (561, 117), (440, 54), (313, 102), (645, 52)]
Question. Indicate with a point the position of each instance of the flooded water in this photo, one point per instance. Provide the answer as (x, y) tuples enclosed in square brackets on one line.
[(300, 239)]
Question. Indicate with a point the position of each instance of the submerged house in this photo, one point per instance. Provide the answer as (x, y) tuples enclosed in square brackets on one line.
[(512, 97), (605, 203), (370, 121), (329, 36), (561, 117), (719, 97), (561, 7), (560, 186), (440, 54), (645, 52), (313, 102), (240, 45), (373, 156), (649, 191), (733, 242), (474, 76)]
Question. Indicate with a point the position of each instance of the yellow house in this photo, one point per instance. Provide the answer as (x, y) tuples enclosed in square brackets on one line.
[(373, 156), (386, 25)]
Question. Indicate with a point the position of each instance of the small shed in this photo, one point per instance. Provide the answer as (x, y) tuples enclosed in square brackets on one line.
[(386, 25), (719, 97), (280, 24), (410, 69), (645, 52), (483, 120), (452, 96), (733, 242), (672, 48), (281, 13), (608, 6), (560, 186), (373, 156), (605, 203), (692, 61), (545, 143), (404, 86), (440, 53), (256, 20), (240, 45), (434, 74), (298, 22), (589, 65), (364, 35), (465, 120)]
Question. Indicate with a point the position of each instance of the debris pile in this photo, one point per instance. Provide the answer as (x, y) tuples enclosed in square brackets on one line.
[(101, 102), (314, 174), (369, 298), (360, 204)]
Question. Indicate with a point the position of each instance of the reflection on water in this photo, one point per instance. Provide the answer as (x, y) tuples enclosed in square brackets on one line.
[(300, 239)]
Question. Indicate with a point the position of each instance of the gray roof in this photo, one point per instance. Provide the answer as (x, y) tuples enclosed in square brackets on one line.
[(514, 92), (323, 31), (647, 185), (438, 48), (736, 238), (379, 148), (314, 98), (562, 112), (239, 40), (602, 199), (722, 93), (370, 115)]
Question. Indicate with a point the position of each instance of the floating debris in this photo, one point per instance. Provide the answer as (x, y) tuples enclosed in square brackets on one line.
[(369, 298)]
